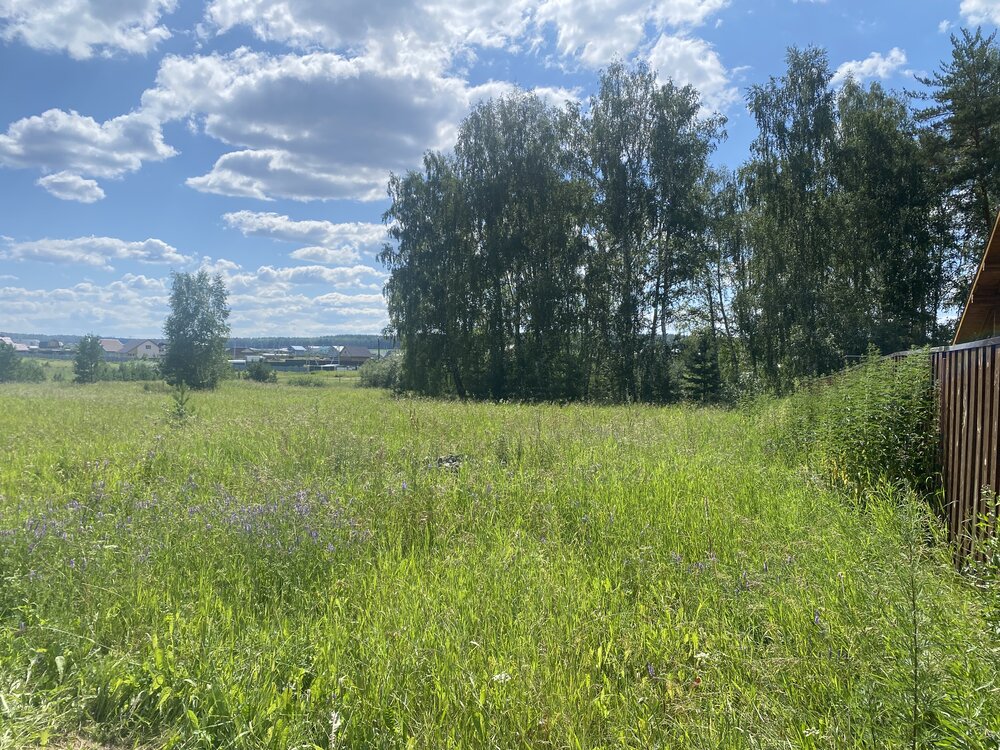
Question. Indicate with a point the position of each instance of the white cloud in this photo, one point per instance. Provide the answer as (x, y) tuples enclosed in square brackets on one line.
[(97, 252), (274, 173), (310, 127), (981, 11), (875, 65), (219, 265), (556, 96), (280, 279), (598, 31), (75, 145), (71, 187), (394, 29), (81, 26), (268, 301), (332, 244), (131, 306), (944, 26), (687, 60)]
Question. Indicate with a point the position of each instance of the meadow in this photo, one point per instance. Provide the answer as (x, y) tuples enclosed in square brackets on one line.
[(290, 567)]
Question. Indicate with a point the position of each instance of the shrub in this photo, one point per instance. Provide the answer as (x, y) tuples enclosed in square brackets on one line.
[(874, 421), (262, 372), (307, 381), (138, 370), (15, 369), (29, 371), (381, 373), (89, 360)]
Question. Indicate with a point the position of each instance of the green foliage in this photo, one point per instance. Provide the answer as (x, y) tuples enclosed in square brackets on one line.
[(131, 371), (8, 363), (29, 371), (962, 143), (15, 369), (196, 330), (875, 422), (88, 360), (546, 258), (262, 372), (382, 373), (309, 381), (180, 408), (702, 380), (585, 577)]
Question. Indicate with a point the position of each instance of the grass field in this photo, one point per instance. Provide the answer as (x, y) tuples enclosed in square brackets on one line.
[(300, 567)]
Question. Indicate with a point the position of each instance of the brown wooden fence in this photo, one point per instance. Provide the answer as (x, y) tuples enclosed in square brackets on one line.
[(967, 377)]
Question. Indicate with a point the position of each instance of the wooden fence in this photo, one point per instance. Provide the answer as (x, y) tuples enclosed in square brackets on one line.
[(967, 378)]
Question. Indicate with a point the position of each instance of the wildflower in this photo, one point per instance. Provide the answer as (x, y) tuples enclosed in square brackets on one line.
[(650, 671), (501, 677), (404, 485), (696, 682), (816, 618)]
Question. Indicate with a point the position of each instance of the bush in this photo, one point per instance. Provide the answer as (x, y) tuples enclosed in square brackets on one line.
[(139, 370), (381, 373), (262, 372), (15, 369), (875, 421), (307, 381), (29, 371)]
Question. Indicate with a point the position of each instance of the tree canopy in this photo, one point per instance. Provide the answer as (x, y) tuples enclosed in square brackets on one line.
[(196, 331), (565, 253)]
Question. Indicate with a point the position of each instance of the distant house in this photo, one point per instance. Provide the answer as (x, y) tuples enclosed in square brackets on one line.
[(142, 349), (111, 346), (52, 344), (18, 347), (353, 356)]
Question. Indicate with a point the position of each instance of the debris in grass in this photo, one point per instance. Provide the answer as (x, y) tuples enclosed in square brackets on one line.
[(450, 462)]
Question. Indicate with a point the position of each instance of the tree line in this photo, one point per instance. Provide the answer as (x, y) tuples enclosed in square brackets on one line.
[(557, 252)]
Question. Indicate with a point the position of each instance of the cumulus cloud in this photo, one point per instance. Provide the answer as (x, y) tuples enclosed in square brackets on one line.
[(598, 32), (79, 27), (97, 252), (273, 173), (71, 187), (395, 29), (981, 11), (281, 279), (332, 244), (72, 145), (688, 60), (136, 305), (310, 127), (130, 306), (876, 65)]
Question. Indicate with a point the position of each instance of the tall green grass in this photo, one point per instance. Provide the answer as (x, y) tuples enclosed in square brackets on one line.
[(294, 567), (874, 422)]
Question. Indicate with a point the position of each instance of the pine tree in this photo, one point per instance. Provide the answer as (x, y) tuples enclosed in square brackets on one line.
[(701, 381)]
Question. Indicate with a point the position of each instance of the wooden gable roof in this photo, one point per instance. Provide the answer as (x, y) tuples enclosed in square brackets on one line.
[(981, 317)]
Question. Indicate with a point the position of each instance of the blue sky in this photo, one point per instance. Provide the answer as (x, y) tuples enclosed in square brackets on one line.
[(254, 137)]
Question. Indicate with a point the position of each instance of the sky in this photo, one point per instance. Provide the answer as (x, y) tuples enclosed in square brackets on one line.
[(254, 138)]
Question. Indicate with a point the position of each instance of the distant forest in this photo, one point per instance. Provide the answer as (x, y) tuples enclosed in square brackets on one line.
[(552, 253)]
